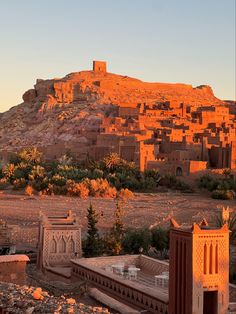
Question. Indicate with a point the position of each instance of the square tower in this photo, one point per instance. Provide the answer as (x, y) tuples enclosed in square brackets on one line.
[(100, 66), (199, 269), (59, 240)]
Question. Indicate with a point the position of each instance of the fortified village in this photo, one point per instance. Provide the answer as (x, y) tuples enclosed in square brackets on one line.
[(173, 128), (195, 279)]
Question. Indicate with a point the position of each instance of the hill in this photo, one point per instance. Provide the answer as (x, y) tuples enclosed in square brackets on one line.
[(61, 109)]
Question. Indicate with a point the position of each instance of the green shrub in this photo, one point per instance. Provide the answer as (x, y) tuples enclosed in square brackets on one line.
[(221, 183), (1, 173), (97, 173), (136, 240), (170, 181), (19, 184), (222, 195), (4, 184), (58, 180), (160, 238)]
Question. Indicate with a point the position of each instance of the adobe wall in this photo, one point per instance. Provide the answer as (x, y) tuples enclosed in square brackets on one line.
[(99, 66), (152, 266), (126, 112), (102, 262), (12, 269), (146, 153), (195, 166)]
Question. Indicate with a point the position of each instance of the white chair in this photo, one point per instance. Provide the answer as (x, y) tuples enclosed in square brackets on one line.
[(165, 273), (161, 280), (109, 269), (133, 272)]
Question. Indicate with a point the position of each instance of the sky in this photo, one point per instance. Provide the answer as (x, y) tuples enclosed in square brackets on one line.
[(183, 41)]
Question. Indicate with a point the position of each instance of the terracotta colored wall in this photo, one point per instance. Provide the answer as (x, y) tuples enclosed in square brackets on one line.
[(99, 66), (13, 272)]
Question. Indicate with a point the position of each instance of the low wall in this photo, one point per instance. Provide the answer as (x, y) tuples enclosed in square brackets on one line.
[(102, 262), (152, 266), (12, 268)]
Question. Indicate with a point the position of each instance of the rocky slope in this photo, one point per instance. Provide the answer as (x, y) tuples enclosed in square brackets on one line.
[(67, 109), (29, 300)]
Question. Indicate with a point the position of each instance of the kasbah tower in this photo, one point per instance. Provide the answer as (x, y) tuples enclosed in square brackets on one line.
[(199, 269)]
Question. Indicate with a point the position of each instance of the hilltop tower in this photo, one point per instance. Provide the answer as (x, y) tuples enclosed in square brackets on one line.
[(199, 269), (100, 66)]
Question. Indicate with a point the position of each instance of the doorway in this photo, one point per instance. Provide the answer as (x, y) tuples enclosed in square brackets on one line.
[(210, 302), (179, 172)]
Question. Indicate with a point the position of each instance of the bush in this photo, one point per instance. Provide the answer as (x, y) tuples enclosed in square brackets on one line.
[(170, 181), (77, 189), (8, 172), (97, 173), (100, 188), (29, 190), (222, 195), (1, 173), (58, 180), (72, 173), (222, 183), (40, 184), (4, 184), (125, 194), (19, 184), (136, 240), (160, 239)]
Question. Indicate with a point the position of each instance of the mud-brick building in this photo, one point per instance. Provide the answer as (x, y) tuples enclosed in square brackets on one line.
[(199, 269), (59, 240)]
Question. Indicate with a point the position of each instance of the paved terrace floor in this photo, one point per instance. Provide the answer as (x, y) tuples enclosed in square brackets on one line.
[(143, 278)]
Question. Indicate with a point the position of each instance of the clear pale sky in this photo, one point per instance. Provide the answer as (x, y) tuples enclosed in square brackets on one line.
[(187, 41)]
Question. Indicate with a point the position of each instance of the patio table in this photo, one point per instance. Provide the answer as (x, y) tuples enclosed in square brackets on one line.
[(162, 278), (132, 272)]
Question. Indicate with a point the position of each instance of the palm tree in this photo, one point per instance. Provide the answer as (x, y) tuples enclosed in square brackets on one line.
[(112, 161), (30, 155)]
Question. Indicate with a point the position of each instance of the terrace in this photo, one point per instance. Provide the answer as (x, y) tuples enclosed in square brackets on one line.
[(136, 279)]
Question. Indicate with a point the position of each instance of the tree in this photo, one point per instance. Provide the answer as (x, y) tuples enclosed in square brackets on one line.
[(112, 161), (160, 239), (9, 171), (117, 231), (30, 155), (137, 240), (92, 244), (231, 222)]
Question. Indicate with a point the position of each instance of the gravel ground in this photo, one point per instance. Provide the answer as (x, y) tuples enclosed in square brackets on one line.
[(22, 212)]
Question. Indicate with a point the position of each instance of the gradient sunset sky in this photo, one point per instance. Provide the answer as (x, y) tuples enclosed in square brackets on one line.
[(185, 41)]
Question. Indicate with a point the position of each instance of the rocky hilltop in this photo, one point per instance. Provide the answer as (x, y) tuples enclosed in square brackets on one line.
[(64, 110)]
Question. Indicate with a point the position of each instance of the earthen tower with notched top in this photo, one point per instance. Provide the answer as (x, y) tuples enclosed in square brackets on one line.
[(199, 269)]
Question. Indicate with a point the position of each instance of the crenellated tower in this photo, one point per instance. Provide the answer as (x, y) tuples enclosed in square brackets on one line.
[(199, 269)]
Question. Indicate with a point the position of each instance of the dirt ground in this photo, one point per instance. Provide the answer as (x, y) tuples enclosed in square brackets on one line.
[(22, 212)]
